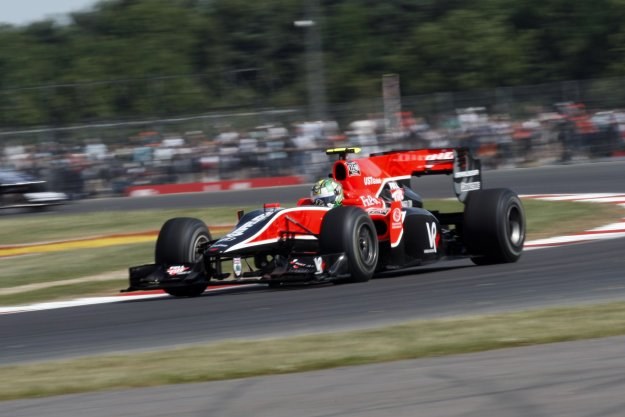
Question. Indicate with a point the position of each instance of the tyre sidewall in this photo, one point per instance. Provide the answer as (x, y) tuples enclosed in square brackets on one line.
[(176, 244), (494, 226), (340, 232), (178, 240)]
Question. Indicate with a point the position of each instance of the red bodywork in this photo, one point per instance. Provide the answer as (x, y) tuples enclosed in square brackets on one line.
[(363, 180)]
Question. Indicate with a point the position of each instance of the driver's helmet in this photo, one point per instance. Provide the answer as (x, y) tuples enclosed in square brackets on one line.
[(327, 192)]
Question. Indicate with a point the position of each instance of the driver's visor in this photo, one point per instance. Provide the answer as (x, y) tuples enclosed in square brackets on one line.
[(324, 201)]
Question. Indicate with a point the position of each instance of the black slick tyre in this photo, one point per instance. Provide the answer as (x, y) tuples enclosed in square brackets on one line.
[(494, 226), (179, 242), (350, 230)]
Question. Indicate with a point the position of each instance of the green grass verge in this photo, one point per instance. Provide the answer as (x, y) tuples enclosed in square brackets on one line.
[(543, 219), (56, 266), (238, 359), (62, 227)]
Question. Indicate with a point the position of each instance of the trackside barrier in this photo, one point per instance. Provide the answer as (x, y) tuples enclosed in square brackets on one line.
[(198, 187)]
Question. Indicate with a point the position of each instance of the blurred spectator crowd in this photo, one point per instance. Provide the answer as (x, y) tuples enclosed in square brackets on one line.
[(95, 169)]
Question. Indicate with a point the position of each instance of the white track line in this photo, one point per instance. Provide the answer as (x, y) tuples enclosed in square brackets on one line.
[(75, 303), (98, 300)]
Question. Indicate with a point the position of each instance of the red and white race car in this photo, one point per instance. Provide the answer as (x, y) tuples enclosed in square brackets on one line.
[(381, 225)]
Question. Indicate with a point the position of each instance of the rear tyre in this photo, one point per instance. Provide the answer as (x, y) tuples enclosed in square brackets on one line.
[(179, 242), (350, 230), (494, 226)]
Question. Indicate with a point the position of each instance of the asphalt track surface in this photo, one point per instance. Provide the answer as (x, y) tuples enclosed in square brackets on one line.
[(556, 276)]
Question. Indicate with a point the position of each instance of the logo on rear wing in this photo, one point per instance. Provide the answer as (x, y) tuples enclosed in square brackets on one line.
[(467, 174)]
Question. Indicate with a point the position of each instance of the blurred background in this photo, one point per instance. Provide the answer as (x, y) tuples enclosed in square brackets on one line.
[(129, 92)]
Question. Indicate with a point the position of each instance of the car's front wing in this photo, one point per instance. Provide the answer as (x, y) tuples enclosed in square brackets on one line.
[(295, 268)]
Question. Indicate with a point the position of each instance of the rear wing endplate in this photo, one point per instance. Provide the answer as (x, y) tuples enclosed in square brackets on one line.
[(467, 174)]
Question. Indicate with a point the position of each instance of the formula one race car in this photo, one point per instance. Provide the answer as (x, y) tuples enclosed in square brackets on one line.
[(19, 190), (381, 225)]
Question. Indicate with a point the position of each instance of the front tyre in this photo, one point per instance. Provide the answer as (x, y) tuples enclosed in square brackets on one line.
[(494, 226), (180, 241), (350, 230)]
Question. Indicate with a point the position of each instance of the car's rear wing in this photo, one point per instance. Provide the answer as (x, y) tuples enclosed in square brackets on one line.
[(403, 164), (467, 173)]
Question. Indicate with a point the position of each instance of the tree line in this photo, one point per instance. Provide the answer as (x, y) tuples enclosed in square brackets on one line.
[(125, 59)]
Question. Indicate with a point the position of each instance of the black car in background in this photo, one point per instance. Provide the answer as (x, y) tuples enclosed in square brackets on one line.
[(20, 190)]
